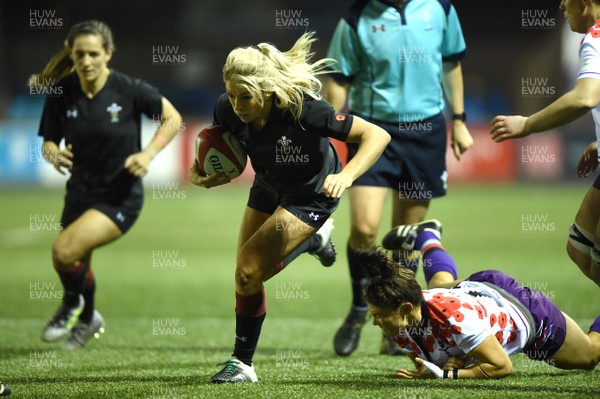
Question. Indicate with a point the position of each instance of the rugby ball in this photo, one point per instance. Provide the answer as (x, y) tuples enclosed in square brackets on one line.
[(220, 151)]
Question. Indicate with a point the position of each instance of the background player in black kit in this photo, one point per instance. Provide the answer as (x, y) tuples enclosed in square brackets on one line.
[(272, 105), (99, 117)]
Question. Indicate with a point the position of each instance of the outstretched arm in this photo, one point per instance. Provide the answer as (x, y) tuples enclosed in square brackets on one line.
[(420, 370), (492, 362), (572, 105)]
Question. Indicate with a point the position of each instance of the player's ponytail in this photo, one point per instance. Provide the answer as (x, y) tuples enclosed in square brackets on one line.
[(289, 75), (389, 284), (61, 64)]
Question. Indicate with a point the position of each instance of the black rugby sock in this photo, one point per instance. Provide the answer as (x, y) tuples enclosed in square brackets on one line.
[(247, 332), (250, 312), (72, 280), (358, 278), (89, 289)]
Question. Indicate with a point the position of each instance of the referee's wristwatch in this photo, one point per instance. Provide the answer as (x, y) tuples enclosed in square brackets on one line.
[(459, 117)]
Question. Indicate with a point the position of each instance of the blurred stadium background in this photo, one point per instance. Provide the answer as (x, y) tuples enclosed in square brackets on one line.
[(520, 57), (509, 206)]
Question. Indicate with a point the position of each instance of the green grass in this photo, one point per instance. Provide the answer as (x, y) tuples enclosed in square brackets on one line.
[(196, 232)]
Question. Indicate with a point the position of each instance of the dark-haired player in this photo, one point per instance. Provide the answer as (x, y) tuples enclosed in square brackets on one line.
[(98, 115), (272, 105), (470, 327)]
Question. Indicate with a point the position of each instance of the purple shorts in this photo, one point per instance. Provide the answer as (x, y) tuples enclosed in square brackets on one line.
[(550, 324)]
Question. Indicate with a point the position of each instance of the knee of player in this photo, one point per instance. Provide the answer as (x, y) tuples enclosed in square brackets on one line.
[(363, 235), (63, 255), (247, 274)]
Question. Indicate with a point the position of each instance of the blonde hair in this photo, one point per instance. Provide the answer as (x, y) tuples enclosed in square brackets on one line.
[(289, 75), (61, 64)]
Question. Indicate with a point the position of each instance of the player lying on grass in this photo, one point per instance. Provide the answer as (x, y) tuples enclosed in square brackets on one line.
[(467, 328), (583, 17), (272, 105)]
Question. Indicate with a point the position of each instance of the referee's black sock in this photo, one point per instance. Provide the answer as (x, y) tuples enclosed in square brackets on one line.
[(359, 279)]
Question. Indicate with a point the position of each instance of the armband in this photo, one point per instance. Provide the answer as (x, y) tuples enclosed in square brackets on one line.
[(451, 374)]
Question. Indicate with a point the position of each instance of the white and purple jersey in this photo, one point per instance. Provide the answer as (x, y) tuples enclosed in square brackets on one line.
[(456, 321)]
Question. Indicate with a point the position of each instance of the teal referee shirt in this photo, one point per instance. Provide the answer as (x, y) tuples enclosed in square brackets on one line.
[(392, 55)]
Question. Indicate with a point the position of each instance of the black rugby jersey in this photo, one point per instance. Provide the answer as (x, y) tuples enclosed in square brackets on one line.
[(103, 131), (292, 157)]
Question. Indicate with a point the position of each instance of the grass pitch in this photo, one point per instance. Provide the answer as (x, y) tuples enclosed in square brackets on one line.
[(166, 292)]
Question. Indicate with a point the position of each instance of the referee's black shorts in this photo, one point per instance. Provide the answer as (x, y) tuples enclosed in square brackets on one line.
[(123, 211), (413, 163), (313, 210)]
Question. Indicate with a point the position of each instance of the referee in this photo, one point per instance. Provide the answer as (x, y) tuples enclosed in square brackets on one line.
[(392, 60), (98, 115)]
